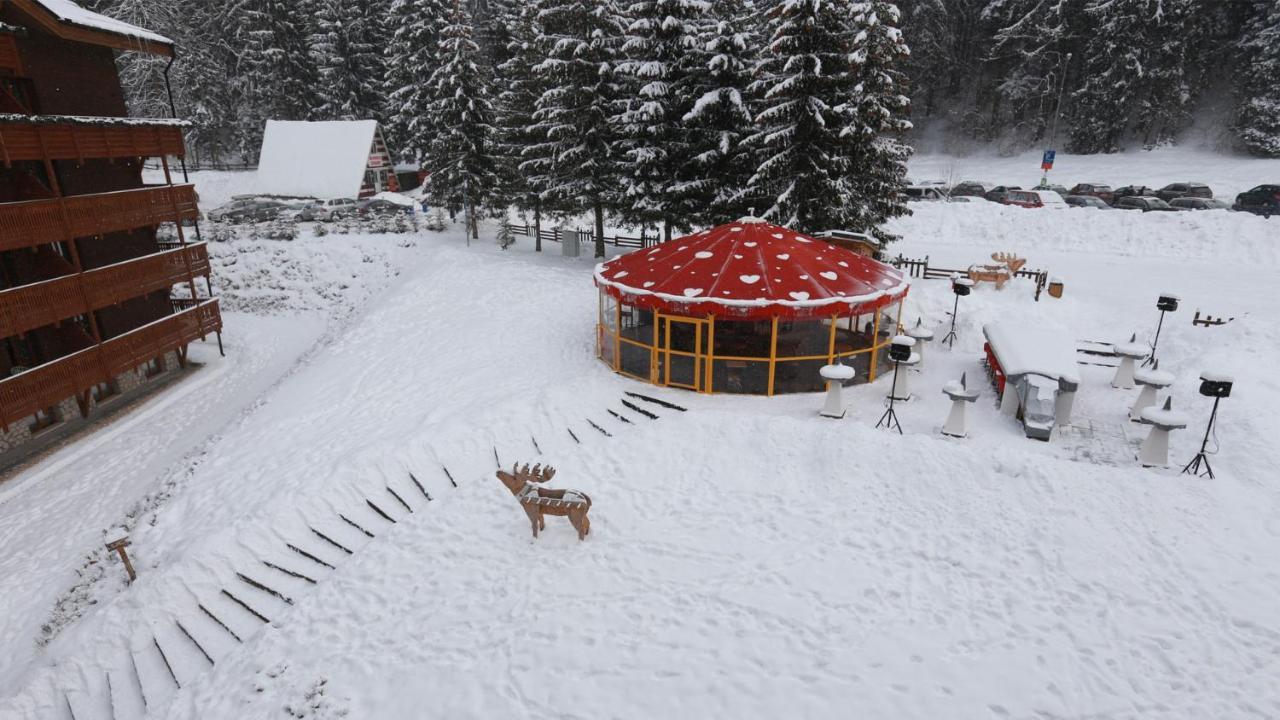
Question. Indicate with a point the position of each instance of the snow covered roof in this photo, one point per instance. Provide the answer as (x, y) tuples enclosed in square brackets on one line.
[(750, 269), (1023, 348), (315, 159), (69, 13)]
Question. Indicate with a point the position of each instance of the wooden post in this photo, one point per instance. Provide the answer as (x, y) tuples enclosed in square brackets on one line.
[(711, 348), (773, 352), (119, 547), (875, 345)]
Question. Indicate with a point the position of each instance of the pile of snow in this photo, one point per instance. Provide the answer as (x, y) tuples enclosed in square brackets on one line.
[(1203, 235)]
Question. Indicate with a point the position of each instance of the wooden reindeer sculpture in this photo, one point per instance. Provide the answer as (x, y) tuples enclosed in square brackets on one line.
[(1007, 266), (539, 502)]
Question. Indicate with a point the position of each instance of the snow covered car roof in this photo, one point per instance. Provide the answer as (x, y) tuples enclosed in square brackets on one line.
[(1023, 348), (751, 269)]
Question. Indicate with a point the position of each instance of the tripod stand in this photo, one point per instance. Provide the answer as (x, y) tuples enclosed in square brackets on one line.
[(890, 418), (1201, 458), (1152, 357), (950, 338)]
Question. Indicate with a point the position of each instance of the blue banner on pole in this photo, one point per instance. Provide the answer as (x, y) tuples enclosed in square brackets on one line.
[(1047, 162)]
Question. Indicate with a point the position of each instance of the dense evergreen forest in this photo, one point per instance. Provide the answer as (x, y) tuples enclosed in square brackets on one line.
[(650, 109)]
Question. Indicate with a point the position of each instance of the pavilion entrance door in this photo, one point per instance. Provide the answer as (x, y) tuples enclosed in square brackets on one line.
[(680, 352)]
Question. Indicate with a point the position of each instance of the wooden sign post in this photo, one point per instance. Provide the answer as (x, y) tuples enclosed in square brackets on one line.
[(119, 546)]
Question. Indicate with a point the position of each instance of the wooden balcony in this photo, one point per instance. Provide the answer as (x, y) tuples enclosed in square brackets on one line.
[(25, 308), (75, 375), (36, 222), (57, 137)]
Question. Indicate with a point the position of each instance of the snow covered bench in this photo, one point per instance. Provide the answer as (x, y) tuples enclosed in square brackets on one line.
[(1034, 371)]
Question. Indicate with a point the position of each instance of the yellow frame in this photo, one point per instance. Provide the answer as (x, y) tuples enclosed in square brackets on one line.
[(705, 357)]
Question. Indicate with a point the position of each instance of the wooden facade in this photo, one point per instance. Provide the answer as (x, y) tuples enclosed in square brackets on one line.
[(85, 286)]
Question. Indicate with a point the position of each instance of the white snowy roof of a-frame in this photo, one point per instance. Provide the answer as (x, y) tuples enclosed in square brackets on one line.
[(72, 13), (315, 159)]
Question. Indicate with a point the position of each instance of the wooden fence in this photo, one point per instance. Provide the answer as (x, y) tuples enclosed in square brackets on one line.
[(553, 235), (920, 268)]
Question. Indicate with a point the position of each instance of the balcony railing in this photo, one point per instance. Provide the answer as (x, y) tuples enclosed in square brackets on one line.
[(36, 222), (47, 385), (74, 138), (31, 306)]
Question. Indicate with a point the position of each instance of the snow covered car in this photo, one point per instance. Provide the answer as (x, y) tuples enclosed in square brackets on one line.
[(918, 194), (1198, 203), (1263, 200), (1180, 190), (1131, 191), (970, 188), (1035, 199), (1145, 204), (382, 207), (1000, 192), (328, 210), (1087, 201), (1098, 190), (250, 211), (1034, 371)]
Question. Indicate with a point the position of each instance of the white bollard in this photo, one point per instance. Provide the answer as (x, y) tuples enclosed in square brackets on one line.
[(1129, 353), (901, 388), (836, 376), (1154, 451), (1152, 380), (961, 396), (922, 335)]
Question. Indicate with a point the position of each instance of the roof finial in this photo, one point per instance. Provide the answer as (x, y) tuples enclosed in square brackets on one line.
[(750, 217)]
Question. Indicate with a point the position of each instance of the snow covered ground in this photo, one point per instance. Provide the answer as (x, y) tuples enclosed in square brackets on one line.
[(747, 558), (1227, 175)]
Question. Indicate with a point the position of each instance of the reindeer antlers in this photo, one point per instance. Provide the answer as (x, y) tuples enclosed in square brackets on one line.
[(539, 474)]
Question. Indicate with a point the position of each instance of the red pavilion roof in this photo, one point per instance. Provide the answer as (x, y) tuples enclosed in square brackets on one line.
[(751, 269)]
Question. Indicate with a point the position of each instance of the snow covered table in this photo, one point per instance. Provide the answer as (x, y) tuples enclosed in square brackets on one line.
[(1152, 380), (836, 376), (961, 396), (1129, 353), (1155, 449), (1035, 371)]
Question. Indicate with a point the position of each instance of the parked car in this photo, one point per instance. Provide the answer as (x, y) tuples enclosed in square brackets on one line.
[(1088, 201), (918, 194), (1143, 203), (1177, 190), (381, 206), (328, 210), (1098, 190), (970, 188), (1062, 191), (1263, 200), (967, 199), (1035, 199), (1000, 192), (249, 211), (1132, 191), (1198, 203), (219, 213)]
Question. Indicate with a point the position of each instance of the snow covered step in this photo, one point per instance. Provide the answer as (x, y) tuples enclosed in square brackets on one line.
[(339, 535), (153, 675), (126, 698), (290, 576), (315, 553), (89, 700), (206, 633), (234, 616), (185, 657)]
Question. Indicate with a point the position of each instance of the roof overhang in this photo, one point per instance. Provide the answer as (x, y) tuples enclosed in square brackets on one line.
[(69, 21)]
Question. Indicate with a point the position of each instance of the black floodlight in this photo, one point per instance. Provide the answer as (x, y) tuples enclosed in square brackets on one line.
[(1217, 387), (900, 349), (1167, 303), (961, 289)]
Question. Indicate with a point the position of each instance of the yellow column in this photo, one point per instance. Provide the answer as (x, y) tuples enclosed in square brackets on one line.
[(773, 352), (875, 346), (711, 349), (831, 341)]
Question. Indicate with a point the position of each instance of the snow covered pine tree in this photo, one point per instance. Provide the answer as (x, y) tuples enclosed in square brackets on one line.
[(660, 54), (276, 77), (519, 93), (460, 155), (573, 119), (1258, 113), (347, 48), (414, 36), (829, 95), (719, 167)]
